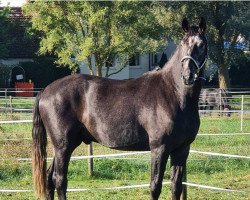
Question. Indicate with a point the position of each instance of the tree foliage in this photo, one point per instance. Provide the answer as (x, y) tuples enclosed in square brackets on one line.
[(5, 25), (96, 32), (99, 32)]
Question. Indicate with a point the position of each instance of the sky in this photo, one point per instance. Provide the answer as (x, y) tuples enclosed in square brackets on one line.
[(13, 3)]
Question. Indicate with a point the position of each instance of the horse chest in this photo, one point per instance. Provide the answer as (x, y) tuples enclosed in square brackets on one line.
[(186, 128)]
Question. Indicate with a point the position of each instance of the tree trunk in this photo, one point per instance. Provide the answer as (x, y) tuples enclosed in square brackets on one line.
[(89, 64), (98, 70), (223, 75)]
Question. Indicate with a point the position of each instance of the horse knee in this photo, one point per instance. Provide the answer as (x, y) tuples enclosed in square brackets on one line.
[(60, 181)]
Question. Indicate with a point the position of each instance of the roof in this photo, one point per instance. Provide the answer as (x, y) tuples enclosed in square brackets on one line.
[(17, 14)]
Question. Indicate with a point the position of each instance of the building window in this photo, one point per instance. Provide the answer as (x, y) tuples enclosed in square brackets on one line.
[(134, 60)]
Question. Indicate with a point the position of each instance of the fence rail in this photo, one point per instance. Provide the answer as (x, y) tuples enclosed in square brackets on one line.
[(136, 153), (131, 187), (234, 98)]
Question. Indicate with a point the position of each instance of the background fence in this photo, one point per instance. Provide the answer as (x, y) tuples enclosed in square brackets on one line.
[(17, 107)]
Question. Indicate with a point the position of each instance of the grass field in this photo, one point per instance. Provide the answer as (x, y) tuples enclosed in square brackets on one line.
[(132, 170), (207, 170)]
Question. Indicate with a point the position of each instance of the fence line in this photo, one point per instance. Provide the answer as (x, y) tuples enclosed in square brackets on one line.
[(229, 90), (15, 109), (132, 187), (15, 121), (134, 153), (222, 134), (224, 111), (199, 134), (219, 154), (14, 139), (8, 133), (6, 109)]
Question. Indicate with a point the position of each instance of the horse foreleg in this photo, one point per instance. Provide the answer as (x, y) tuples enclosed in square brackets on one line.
[(178, 165), (159, 157)]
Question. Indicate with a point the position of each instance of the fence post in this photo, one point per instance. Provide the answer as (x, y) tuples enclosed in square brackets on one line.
[(242, 112), (5, 97), (90, 160), (11, 107), (6, 102), (5, 93), (220, 103), (184, 187)]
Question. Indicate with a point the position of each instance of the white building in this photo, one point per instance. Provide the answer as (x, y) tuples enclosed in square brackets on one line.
[(137, 66)]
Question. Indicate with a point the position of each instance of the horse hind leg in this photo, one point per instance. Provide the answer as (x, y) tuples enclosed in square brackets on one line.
[(63, 148), (50, 187), (59, 176)]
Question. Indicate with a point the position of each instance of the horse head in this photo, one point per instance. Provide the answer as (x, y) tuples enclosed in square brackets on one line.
[(193, 51)]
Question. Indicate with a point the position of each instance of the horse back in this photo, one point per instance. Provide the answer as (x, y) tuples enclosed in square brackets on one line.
[(107, 109)]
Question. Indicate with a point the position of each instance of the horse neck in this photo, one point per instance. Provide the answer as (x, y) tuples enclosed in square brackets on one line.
[(188, 95)]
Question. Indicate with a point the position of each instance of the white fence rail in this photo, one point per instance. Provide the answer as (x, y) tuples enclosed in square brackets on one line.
[(131, 187), (235, 99), (136, 153)]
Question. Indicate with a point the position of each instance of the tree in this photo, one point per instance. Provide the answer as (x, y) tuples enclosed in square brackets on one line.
[(96, 32), (228, 20), (5, 25)]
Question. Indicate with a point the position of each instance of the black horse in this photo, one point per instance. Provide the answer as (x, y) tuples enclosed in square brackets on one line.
[(156, 112), (215, 98)]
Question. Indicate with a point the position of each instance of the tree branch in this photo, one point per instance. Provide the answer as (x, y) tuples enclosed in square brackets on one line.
[(119, 70)]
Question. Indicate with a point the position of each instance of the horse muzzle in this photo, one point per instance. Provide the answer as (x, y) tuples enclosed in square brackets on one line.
[(189, 79)]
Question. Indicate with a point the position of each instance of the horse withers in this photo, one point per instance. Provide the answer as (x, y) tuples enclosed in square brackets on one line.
[(157, 111)]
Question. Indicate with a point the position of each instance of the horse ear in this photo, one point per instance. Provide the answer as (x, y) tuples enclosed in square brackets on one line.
[(185, 25), (202, 25)]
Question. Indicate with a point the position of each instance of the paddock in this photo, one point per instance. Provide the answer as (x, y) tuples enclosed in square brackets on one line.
[(218, 166)]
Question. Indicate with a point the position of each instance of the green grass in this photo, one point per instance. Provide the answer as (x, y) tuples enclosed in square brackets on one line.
[(208, 170), (224, 124), (218, 173), (16, 102)]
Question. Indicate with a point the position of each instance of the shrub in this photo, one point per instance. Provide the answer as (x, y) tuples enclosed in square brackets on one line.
[(44, 71)]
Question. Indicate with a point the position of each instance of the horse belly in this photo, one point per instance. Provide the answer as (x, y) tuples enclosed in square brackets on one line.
[(124, 138)]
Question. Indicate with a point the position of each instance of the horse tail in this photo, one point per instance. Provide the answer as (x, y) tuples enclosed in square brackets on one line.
[(39, 153)]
